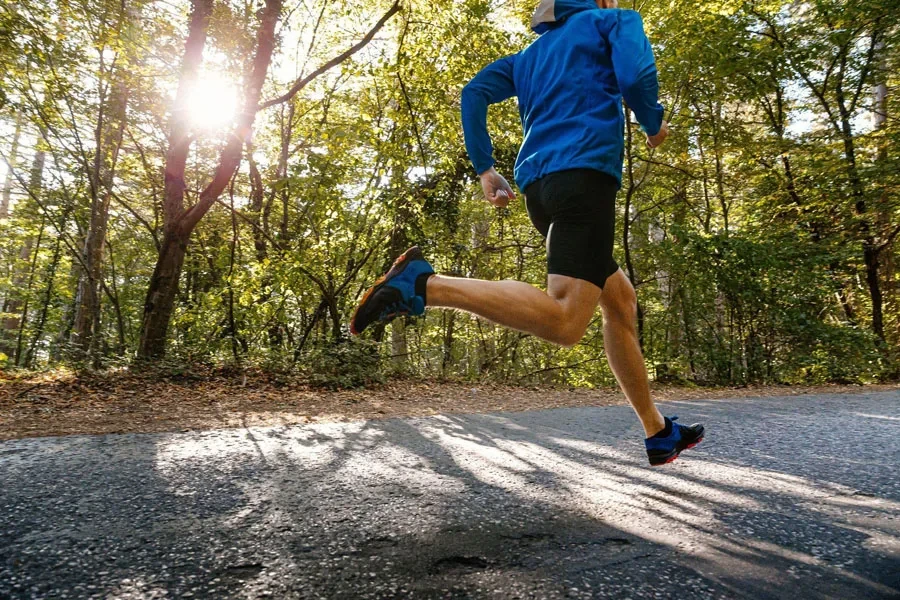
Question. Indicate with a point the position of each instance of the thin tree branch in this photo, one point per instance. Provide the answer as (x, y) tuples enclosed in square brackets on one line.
[(137, 216), (412, 116), (662, 164), (864, 72), (301, 83)]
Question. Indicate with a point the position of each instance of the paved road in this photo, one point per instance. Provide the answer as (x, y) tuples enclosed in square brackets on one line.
[(786, 498)]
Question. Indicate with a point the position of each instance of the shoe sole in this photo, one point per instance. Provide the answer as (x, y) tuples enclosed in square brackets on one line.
[(673, 457), (395, 268)]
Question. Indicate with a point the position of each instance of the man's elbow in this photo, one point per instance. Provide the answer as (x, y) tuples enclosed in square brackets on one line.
[(630, 89), (469, 93), (466, 97), (472, 101), (638, 84)]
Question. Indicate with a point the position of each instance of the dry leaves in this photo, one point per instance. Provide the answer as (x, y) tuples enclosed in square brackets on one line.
[(61, 403)]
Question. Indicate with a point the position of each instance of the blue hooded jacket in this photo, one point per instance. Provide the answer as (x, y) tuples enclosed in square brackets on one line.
[(570, 83)]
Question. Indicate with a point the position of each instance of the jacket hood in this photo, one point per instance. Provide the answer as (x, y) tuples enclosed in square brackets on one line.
[(551, 12)]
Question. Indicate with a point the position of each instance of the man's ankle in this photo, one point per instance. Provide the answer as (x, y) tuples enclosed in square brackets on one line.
[(421, 286), (658, 426)]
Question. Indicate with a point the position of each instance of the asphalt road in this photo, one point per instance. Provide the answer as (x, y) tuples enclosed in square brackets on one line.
[(786, 498)]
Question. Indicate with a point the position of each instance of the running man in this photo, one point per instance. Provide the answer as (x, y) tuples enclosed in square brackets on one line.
[(570, 83)]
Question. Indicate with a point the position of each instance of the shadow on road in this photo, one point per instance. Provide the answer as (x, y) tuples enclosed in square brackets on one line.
[(786, 497)]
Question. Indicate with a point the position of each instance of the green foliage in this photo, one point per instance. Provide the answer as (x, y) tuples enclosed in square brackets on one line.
[(745, 235), (762, 313), (344, 364)]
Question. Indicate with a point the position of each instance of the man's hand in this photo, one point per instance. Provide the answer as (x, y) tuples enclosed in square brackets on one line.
[(653, 141), (496, 190)]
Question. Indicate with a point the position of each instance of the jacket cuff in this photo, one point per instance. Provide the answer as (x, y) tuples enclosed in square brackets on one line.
[(483, 165), (656, 122)]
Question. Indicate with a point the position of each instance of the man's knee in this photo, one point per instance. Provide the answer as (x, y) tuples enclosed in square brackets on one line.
[(568, 326), (619, 301), (568, 335), (577, 302)]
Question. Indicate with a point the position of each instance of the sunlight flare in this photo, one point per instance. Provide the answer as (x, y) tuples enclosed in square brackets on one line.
[(212, 102)]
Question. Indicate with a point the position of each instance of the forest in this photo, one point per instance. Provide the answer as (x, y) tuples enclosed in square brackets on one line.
[(217, 182)]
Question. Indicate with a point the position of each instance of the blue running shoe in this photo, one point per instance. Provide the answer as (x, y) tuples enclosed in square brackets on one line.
[(394, 294), (662, 450)]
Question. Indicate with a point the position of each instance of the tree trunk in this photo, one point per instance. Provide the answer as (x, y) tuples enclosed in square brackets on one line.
[(399, 346), (447, 349), (23, 319), (109, 135), (259, 217), (399, 242), (237, 342), (10, 324), (883, 217), (161, 295), (13, 160), (163, 284), (116, 306), (717, 152), (626, 220), (871, 249), (871, 256), (87, 312), (45, 305), (180, 223)]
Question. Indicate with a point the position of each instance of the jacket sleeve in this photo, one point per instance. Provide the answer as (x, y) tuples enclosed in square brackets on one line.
[(493, 84), (635, 69)]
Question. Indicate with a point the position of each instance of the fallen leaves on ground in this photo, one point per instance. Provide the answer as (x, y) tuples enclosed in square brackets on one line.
[(63, 403)]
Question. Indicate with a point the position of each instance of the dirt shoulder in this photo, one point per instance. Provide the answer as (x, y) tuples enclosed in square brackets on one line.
[(61, 403)]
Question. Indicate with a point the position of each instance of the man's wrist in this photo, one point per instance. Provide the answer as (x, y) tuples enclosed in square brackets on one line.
[(658, 120), (656, 132)]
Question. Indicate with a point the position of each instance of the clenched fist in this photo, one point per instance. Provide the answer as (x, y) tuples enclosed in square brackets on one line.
[(496, 190)]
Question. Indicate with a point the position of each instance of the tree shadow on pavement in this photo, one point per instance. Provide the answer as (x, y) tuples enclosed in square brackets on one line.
[(545, 504)]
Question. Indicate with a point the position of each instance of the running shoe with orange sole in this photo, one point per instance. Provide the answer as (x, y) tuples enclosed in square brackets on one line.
[(394, 294)]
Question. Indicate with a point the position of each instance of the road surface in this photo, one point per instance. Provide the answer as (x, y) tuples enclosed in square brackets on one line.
[(795, 497)]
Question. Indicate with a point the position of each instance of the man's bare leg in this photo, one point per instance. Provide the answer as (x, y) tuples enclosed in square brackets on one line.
[(623, 350), (559, 315)]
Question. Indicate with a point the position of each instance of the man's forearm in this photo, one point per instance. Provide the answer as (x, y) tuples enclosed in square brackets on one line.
[(474, 121)]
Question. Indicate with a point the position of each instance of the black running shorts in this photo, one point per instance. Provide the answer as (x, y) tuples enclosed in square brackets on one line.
[(576, 211)]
